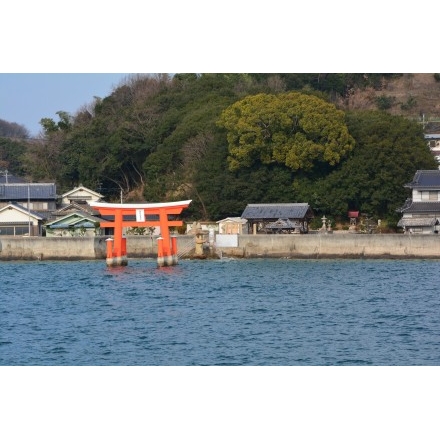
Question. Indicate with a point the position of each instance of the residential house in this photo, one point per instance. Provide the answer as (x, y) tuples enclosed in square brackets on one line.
[(18, 221), (74, 224), (37, 199), (421, 212), (273, 218), (44, 206), (433, 140), (74, 207), (80, 195)]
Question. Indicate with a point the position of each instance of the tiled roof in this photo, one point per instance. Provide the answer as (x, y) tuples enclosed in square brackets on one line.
[(421, 207), (82, 190), (21, 191), (417, 221), (425, 179), (77, 218), (276, 211), (75, 207)]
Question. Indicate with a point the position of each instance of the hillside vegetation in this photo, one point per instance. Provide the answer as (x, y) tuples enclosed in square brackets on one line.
[(410, 94), (336, 141)]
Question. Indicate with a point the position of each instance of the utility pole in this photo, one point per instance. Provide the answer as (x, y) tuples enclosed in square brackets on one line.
[(5, 172)]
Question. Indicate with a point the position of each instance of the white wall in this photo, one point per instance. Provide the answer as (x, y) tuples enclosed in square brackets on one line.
[(13, 215)]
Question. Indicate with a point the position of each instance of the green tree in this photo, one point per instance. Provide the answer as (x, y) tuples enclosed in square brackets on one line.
[(11, 153), (389, 150), (293, 129), (13, 130), (50, 126)]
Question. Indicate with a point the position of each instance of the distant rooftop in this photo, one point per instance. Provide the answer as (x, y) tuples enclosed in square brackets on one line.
[(23, 191), (276, 211), (425, 179)]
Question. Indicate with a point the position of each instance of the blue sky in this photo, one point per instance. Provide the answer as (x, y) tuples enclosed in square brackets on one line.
[(25, 98)]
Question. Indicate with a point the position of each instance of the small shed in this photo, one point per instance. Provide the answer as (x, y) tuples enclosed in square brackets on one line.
[(267, 217), (232, 225)]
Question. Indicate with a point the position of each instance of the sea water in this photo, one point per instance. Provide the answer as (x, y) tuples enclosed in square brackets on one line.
[(221, 312)]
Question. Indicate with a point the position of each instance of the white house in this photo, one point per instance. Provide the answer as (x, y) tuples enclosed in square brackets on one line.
[(80, 195), (433, 140), (17, 220), (421, 212)]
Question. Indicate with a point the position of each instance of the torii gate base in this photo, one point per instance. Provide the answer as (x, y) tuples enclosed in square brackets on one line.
[(124, 215)]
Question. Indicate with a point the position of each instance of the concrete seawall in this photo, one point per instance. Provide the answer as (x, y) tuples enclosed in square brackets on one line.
[(336, 246), (249, 246), (77, 248)]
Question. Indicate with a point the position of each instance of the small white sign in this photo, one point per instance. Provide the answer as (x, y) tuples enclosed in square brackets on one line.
[(140, 215)]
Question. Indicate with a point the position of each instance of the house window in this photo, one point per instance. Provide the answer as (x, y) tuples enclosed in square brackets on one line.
[(433, 195), (39, 206), (14, 230), (429, 195)]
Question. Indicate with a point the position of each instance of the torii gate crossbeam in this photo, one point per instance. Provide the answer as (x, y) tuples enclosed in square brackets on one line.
[(117, 250)]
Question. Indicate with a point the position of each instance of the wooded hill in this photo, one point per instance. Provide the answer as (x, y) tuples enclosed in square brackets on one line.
[(226, 140)]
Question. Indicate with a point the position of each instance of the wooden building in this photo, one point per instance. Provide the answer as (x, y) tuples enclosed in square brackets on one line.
[(232, 225), (277, 218)]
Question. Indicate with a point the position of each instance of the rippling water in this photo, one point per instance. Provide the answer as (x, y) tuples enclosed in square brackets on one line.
[(222, 312)]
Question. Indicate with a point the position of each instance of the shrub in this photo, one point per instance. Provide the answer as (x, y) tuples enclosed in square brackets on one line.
[(409, 104), (384, 102)]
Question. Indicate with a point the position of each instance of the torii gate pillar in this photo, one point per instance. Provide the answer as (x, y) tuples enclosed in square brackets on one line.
[(140, 215)]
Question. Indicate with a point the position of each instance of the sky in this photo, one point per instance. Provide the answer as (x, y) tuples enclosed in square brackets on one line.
[(26, 98)]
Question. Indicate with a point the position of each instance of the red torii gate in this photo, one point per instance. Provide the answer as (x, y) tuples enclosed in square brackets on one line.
[(117, 248)]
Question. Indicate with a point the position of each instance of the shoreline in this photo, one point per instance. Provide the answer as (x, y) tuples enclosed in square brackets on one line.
[(307, 246)]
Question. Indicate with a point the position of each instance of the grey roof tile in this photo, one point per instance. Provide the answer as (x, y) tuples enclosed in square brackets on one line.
[(421, 207), (21, 191), (417, 221), (276, 211), (425, 179)]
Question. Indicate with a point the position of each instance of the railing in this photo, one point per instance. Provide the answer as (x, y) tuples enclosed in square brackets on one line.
[(185, 248)]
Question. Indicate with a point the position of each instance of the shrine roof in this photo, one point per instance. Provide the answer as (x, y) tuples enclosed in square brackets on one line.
[(276, 211)]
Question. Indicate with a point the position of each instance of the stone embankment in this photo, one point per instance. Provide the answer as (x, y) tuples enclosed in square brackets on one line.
[(336, 246), (244, 246)]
